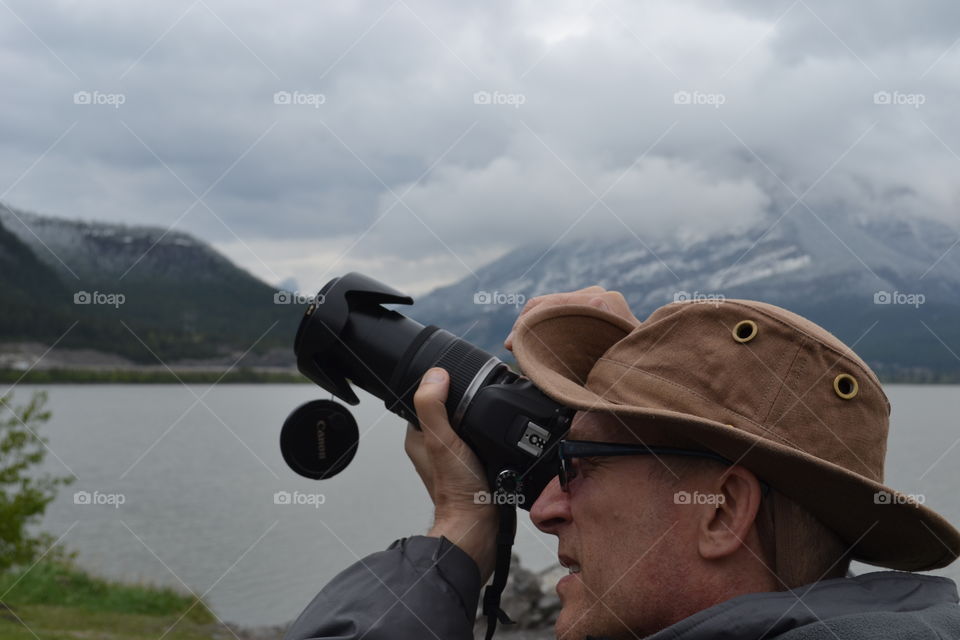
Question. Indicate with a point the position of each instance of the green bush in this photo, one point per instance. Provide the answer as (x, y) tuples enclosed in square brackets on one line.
[(24, 493)]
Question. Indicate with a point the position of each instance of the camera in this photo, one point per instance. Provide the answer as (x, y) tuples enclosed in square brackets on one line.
[(347, 336)]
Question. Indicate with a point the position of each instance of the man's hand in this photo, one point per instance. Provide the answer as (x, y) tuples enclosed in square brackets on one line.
[(595, 296), (452, 474)]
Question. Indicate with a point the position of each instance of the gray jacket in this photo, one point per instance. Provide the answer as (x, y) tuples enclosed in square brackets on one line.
[(422, 588)]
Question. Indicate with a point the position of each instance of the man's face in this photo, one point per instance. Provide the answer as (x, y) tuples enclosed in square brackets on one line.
[(620, 524)]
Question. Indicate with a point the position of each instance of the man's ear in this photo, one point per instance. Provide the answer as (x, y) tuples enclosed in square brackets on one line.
[(725, 523)]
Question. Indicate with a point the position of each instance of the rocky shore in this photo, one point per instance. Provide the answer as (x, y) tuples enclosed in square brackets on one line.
[(531, 601)]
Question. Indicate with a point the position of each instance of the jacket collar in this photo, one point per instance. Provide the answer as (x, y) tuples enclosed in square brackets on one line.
[(770, 614)]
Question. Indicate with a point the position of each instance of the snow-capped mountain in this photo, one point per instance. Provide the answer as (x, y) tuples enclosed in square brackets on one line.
[(890, 287), (143, 292)]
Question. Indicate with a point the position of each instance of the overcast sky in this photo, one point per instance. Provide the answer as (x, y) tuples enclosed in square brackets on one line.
[(417, 140)]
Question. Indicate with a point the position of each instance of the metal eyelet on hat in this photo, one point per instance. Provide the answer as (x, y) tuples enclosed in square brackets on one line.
[(846, 386), (745, 331)]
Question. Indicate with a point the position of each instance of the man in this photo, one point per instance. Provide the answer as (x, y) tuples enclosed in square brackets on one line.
[(723, 468)]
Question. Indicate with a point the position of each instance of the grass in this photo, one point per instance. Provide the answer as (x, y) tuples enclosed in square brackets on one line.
[(49, 622), (57, 600)]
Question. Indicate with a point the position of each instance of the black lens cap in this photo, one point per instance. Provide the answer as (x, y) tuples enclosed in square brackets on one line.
[(319, 439)]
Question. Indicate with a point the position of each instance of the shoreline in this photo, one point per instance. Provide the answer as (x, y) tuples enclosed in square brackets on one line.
[(260, 375), (151, 375)]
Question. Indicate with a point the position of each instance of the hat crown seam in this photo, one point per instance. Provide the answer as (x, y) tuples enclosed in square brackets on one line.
[(791, 370)]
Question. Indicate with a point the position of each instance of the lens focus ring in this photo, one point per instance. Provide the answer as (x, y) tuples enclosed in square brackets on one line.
[(463, 361)]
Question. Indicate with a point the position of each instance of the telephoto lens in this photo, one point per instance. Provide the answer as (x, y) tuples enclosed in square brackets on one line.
[(347, 336)]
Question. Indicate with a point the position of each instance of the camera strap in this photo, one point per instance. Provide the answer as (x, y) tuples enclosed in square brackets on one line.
[(491, 595)]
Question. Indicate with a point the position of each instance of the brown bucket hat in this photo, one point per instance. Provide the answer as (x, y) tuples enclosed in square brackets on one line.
[(760, 386)]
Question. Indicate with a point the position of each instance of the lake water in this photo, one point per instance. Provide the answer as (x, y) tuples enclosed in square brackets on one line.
[(198, 483)]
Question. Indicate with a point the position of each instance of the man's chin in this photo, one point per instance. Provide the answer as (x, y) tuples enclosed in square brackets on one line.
[(562, 627), (577, 621), (571, 623)]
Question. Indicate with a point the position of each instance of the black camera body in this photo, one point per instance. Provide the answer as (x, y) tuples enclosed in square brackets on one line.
[(348, 336)]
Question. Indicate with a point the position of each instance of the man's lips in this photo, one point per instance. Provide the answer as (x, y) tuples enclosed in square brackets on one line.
[(569, 563)]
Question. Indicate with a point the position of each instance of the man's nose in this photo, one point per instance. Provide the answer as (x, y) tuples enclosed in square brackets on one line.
[(552, 508)]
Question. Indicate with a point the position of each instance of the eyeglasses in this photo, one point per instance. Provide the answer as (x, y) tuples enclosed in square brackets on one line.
[(568, 450)]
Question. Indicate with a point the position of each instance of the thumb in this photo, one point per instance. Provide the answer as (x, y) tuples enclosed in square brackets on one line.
[(429, 403)]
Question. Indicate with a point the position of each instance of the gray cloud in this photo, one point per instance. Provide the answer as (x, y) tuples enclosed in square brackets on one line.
[(586, 99)]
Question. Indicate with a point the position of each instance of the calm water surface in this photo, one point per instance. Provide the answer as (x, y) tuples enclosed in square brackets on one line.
[(198, 482)]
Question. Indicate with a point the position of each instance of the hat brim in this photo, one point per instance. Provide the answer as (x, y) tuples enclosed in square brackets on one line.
[(556, 347)]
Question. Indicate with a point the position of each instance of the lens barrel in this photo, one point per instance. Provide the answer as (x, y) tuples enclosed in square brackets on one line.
[(467, 365)]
